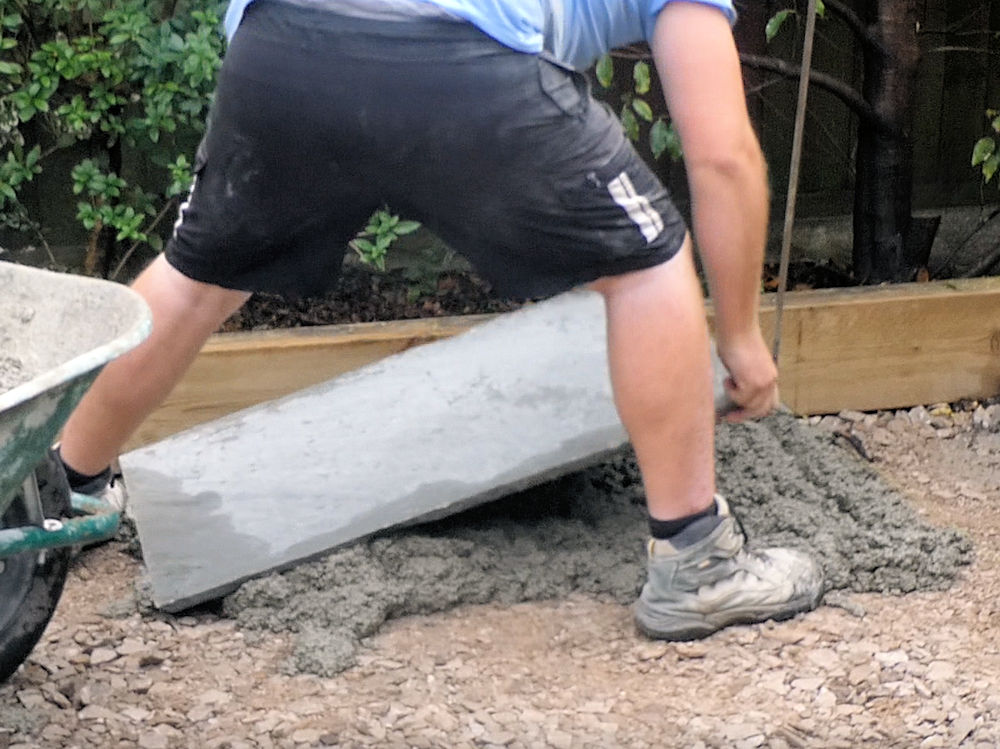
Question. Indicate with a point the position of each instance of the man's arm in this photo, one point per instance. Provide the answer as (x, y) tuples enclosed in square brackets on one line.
[(699, 67)]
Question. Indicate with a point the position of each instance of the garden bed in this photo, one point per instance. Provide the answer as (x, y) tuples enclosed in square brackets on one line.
[(860, 348)]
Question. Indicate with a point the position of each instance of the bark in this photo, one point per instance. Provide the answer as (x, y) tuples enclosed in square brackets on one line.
[(888, 244)]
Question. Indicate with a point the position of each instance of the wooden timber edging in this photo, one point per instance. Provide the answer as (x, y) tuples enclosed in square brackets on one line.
[(871, 348), (863, 348)]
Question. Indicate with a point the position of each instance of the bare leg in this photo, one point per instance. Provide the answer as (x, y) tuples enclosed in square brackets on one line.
[(661, 372), (185, 313)]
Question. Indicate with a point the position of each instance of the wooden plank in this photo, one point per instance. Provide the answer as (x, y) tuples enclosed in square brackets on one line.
[(889, 347), (862, 348)]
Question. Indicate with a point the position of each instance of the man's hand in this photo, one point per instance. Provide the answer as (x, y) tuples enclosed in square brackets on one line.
[(752, 384)]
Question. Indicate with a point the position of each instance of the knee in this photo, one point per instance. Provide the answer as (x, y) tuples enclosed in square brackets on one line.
[(170, 293)]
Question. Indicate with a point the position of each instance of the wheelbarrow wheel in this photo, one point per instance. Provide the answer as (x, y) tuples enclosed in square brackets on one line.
[(31, 583)]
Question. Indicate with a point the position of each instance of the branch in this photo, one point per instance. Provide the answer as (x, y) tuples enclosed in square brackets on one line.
[(633, 52), (838, 88), (945, 32), (135, 245), (830, 143), (853, 20), (974, 50)]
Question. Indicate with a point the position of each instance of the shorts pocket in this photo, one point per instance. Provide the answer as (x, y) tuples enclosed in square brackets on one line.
[(565, 87)]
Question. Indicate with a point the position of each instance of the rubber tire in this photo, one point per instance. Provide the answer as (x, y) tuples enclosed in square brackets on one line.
[(31, 583)]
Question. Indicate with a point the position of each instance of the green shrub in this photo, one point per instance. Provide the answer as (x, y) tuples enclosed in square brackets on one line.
[(106, 75)]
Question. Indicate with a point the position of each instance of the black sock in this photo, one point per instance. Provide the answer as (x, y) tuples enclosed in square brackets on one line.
[(665, 529), (83, 483)]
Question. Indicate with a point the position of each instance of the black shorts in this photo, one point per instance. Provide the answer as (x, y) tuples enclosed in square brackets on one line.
[(319, 119)]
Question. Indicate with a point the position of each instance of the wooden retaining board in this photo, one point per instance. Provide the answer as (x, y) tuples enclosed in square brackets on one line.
[(863, 348), (870, 348)]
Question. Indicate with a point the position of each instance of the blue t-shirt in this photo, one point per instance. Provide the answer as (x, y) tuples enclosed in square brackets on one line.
[(575, 32)]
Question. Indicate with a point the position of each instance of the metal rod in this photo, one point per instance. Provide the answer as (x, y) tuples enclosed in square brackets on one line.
[(32, 501), (99, 522), (793, 172)]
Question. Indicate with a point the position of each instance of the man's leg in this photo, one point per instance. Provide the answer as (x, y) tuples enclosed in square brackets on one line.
[(185, 313), (700, 575), (658, 350)]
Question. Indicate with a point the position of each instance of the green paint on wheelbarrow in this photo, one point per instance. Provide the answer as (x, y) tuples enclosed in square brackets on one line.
[(97, 522), (60, 330)]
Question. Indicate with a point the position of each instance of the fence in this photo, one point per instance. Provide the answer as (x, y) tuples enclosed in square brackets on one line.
[(958, 80)]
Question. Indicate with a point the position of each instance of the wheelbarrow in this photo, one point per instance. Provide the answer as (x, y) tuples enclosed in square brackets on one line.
[(56, 333)]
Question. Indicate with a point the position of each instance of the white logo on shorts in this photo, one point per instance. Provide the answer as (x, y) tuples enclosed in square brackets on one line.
[(637, 206), (184, 206)]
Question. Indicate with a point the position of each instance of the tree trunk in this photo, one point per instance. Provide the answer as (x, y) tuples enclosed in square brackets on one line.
[(109, 246), (888, 244)]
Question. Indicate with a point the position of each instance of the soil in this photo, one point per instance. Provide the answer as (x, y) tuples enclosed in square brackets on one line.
[(915, 664), (363, 295)]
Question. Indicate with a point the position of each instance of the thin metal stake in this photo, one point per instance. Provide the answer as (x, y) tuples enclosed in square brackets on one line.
[(793, 173)]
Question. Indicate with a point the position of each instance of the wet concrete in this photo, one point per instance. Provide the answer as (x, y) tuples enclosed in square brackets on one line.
[(12, 372), (79, 315), (50, 352), (789, 483)]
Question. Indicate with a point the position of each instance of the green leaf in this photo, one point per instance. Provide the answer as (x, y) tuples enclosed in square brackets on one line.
[(365, 246), (605, 71), (663, 138), (983, 149), (643, 109), (996, 123), (820, 8), (630, 123), (407, 227), (776, 22), (990, 167), (658, 138), (640, 73)]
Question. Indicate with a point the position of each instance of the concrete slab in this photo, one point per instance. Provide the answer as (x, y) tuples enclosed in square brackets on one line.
[(518, 401)]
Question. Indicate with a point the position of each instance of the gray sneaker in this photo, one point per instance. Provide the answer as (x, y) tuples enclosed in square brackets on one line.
[(696, 590)]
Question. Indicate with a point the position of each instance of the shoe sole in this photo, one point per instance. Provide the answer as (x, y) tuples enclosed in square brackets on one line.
[(682, 629)]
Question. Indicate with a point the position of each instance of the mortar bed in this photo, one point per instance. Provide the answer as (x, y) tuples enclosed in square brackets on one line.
[(790, 484)]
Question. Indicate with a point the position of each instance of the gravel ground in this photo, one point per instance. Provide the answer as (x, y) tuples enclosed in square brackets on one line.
[(909, 671)]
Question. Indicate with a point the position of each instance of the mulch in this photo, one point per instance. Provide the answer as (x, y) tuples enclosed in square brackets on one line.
[(364, 294), (367, 295)]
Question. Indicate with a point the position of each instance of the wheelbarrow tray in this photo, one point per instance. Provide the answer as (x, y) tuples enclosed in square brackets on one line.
[(56, 333)]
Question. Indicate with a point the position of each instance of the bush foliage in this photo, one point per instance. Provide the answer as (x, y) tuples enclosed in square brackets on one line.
[(98, 77)]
